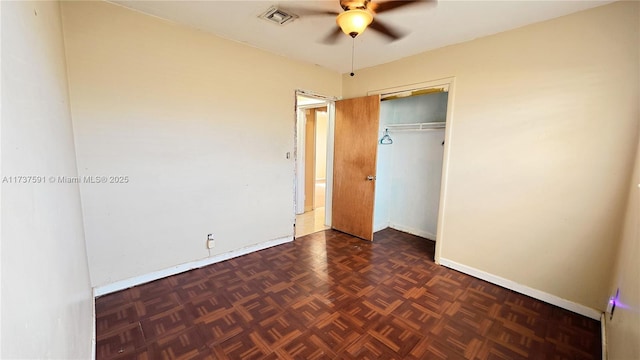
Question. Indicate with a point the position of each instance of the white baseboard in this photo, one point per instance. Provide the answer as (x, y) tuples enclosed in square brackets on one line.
[(522, 289), (378, 227), (137, 280), (410, 230)]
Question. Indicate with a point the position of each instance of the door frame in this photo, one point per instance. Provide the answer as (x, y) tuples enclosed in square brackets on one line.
[(299, 149), (449, 85)]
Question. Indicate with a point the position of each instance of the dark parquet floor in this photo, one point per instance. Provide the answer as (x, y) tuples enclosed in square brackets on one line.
[(331, 296)]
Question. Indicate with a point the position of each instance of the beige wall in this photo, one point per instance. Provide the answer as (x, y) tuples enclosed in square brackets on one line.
[(199, 124), (623, 331), (46, 300), (542, 140)]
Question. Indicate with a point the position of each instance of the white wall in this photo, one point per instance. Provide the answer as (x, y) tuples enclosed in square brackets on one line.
[(623, 331), (416, 171), (542, 142), (415, 109), (199, 129), (47, 302)]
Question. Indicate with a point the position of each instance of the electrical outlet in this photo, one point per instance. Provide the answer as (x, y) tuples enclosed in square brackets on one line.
[(611, 306), (211, 243)]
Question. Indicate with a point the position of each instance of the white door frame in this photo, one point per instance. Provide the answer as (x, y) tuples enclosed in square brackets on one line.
[(299, 151)]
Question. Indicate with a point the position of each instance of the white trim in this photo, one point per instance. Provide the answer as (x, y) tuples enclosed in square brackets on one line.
[(444, 180), (311, 94), (328, 189), (410, 230), (438, 83), (523, 289), (603, 332), (312, 106), (378, 227), (137, 280)]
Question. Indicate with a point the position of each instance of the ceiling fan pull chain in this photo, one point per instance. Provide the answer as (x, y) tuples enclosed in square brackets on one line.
[(353, 45)]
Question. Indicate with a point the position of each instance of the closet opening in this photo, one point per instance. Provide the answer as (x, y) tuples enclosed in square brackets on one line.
[(410, 158)]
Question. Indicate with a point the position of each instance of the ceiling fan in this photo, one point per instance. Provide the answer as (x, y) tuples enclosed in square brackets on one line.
[(359, 14)]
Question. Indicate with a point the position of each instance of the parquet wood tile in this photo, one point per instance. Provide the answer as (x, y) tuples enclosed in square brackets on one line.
[(331, 296)]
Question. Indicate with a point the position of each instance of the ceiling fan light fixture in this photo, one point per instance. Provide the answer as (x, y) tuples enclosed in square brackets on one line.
[(354, 22)]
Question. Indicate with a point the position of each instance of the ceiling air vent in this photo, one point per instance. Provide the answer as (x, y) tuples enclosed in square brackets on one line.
[(277, 16)]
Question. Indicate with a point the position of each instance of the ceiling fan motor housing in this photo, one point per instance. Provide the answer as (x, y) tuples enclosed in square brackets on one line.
[(354, 4), (353, 22), (357, 16)]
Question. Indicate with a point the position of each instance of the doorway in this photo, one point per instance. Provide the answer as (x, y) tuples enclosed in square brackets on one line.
[(313, 158), (410, 161), (315, 149)]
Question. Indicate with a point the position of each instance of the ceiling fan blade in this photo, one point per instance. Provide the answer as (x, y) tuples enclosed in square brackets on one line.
[(313, 12), (332, 37), (381, 7), (386, 30)]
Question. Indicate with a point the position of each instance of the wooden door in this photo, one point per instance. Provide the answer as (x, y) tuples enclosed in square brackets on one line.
[(354, 165)]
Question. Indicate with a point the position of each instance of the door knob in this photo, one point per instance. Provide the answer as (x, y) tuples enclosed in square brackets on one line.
[(371, 177)]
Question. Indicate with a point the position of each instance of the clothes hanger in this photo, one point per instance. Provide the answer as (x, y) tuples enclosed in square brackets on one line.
[(386, 138)]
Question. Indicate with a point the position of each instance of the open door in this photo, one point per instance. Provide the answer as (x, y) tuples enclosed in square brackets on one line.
[(354, 167)]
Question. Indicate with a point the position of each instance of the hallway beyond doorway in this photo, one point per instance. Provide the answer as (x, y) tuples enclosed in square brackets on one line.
[(314, 220)]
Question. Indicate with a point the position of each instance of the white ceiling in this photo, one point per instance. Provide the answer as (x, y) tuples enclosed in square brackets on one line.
[(429, 25)]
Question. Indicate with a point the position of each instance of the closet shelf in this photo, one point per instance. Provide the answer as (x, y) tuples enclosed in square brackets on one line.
[(416, 126)]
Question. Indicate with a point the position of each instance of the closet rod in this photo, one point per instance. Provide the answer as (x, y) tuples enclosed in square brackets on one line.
[(432, 129), (416, 126)]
